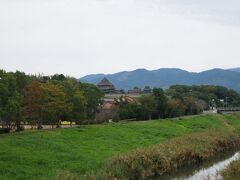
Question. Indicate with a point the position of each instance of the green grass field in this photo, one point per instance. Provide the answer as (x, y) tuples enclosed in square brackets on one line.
[(44, 154)]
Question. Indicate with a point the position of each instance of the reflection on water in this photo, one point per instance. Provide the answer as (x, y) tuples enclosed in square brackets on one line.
[(208, 170), (212, 172)]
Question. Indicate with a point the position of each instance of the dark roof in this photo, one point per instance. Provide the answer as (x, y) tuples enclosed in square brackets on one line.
[(136, 88), (147, 88), (105, 82)]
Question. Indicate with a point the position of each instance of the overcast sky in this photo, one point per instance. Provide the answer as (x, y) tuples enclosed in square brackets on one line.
[(79, 37)]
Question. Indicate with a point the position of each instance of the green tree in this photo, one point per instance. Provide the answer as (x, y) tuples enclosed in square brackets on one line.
[(148, 104), (94, 99), (127, 110), (58, 77), (3, 96), (13, 111), (55, 103), (175, 108), (8, 98), (79, 106), (161, 102), (191, 105), (75, 98), (21, 80)]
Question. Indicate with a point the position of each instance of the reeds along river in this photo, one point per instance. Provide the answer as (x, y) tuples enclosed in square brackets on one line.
[(186, 157), (209, 170)]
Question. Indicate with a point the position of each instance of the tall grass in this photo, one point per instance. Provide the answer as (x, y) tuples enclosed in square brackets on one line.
[(170, 155), (232, 172)]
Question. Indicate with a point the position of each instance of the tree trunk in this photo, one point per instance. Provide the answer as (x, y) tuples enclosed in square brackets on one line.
[(39, 124), (18, 126), (150, 117), (52, 124)]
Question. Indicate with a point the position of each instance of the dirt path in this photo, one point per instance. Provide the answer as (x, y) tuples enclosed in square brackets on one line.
[(221, 117)]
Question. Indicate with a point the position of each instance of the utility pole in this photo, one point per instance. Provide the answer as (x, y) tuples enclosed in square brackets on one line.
[(227, 101)]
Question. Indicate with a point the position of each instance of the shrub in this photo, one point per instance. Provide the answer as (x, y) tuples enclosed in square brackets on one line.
[(21, 128), (4, 130), (232, 172)]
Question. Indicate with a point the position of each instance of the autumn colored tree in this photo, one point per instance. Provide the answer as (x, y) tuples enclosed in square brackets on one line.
[(34, 104)]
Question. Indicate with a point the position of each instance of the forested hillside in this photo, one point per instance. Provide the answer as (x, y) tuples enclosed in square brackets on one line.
[(166, 77)]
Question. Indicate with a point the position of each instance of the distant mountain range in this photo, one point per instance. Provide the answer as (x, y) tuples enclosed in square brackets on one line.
[(166, 77), (235, 69)]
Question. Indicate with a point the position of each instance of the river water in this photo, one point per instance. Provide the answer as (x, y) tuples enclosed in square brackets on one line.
[(205, 171)]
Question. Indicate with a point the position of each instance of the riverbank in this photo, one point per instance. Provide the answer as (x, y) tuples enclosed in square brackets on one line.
[(232, 171), (172, 155), (84, 150)]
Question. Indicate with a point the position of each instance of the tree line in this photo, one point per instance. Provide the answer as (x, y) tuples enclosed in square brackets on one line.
[(38, 100), (178, 100)]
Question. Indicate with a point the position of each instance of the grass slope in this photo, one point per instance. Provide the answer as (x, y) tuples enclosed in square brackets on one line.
[(44, 154), (170, 156)]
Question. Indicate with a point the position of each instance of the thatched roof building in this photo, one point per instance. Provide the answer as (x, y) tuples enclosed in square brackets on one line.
[(147, 89), (106, 86), (135, 90)]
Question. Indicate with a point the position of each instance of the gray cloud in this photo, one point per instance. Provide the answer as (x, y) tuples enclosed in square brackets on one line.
[(78, 37)]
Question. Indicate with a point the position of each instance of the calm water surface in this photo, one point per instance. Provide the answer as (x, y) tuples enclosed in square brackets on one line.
[(208, 170)]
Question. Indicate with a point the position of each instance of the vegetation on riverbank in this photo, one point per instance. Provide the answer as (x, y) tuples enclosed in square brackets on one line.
[(232, 172), (173, 154), (80, 151)]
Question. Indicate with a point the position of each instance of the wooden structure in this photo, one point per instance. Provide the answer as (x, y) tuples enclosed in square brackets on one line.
[(106, 86), (147, 89), (135, 90)]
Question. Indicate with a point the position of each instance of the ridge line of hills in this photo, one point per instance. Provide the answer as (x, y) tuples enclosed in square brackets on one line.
[(166, 77)]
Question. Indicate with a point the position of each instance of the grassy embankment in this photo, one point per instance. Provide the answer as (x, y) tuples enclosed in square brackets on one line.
[(46, 154), (232, 172), (171, 155)]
